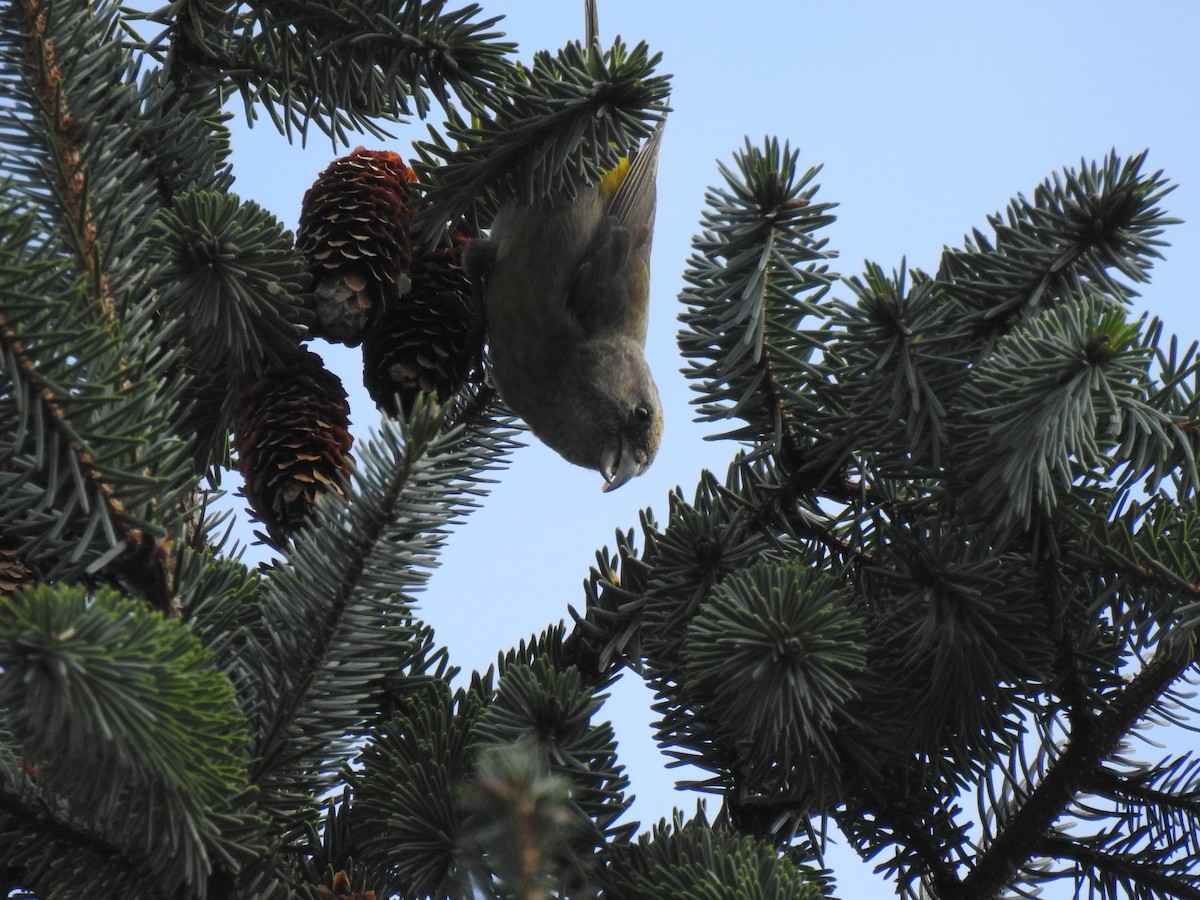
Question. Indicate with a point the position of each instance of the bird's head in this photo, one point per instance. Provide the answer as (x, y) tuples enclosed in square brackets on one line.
[(607, 413)]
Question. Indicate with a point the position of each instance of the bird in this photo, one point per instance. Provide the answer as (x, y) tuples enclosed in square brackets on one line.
[(565, 286)]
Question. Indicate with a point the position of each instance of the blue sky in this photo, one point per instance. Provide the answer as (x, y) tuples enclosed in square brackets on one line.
[(927, 117)]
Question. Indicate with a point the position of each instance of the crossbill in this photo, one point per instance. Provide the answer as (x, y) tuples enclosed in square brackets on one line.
[(566, 286)]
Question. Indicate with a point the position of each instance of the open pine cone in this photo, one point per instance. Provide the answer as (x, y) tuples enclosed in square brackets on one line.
[(291, 433), (13, 572), (354, 225)]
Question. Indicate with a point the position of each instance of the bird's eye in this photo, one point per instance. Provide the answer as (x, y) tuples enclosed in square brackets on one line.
[(641, 413)]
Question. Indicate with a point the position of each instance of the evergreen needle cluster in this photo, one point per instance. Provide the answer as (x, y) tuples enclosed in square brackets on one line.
[(953, 565)]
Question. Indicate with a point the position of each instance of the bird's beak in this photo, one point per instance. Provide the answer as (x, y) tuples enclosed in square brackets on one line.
[(617, 467)]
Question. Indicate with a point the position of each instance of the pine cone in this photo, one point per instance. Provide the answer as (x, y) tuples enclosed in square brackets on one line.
[(431, 339), (292, 440), (341, 890), (354, 224), (13, 572)]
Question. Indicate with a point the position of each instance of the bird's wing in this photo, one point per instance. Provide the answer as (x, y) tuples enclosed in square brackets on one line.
[(610, 290)]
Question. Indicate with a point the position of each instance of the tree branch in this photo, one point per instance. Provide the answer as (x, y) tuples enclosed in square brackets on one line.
[(1148, 875), (47, 85), (1026, 831), (912, 828), (40, 816), (145, 566)]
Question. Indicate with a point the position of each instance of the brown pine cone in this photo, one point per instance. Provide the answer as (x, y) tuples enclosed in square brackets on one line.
[(431, 339), (354, 224), (13, 572), (291, 434)]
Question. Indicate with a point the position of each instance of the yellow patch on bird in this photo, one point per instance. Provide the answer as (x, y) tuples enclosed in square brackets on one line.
[(613, 178)]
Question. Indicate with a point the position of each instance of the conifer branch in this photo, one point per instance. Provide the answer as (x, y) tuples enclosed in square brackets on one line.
[(553, 128), (1118, 868), (753, 265), (914, 822), (50, 91), (64, 832), (1093, 740), (925, 543), (150, 577), (73, 102), (1080, 226), (93, 678), (1108, 783), (421, 477)]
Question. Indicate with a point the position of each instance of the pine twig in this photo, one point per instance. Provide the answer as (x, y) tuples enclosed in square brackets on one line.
[(1143, 873), (46, 81), (1026, 831), (146, 565)]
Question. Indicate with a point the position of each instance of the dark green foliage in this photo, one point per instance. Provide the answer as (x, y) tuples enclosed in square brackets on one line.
[(556, 127), (231, 279), (966, 628), (952, 568), (691, 860), (944, 468), (794, 634), (525, 823), (342, 66), (184, 137), (1082, 232), (1086, 367), (93, 178), (881, 358), (407, 811), (99, 684), (89, 461), (953, 457), (755, 275), (549, 707), (334, 623)]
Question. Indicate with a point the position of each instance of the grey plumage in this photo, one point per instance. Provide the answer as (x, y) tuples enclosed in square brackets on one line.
[(565, 287)]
